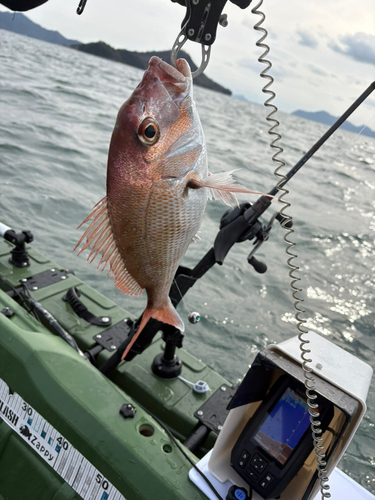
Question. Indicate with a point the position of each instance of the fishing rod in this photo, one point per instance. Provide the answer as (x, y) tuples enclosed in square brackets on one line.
[(238, 227), (324, 138)]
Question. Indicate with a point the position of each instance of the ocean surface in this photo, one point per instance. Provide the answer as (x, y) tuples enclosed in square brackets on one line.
[(57, 111)]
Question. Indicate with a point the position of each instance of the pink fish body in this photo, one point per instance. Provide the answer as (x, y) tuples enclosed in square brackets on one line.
[(157, 189)]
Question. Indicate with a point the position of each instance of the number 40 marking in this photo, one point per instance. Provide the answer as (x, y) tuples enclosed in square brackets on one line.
[(62, 443)]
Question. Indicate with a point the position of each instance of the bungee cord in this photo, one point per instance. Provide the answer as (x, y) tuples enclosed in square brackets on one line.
[(291, 256)]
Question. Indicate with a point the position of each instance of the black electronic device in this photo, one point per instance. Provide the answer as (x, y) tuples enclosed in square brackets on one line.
[(277, 439)]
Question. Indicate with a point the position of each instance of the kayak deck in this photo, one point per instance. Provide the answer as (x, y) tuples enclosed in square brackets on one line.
[(73, 398)]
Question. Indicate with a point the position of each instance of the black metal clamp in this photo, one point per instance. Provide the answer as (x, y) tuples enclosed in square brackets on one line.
[(200, 24), (203, 16)]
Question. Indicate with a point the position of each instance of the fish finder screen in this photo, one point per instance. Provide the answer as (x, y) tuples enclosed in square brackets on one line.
[(284, 426)]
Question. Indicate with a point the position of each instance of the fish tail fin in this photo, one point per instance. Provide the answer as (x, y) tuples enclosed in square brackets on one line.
[(222, 187), (166, 314)]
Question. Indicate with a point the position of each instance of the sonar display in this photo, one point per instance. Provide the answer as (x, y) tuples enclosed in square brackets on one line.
[(284, 426)]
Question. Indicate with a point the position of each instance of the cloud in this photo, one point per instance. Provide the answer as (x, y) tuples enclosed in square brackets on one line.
[(250, 23), (251, 64), (278, 72), (307, 39), (360, 47), (318, 70)]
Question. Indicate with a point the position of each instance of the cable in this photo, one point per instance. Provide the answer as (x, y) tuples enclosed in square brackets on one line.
[(36, 308), (305, 351), (61, 332), (22, 303)]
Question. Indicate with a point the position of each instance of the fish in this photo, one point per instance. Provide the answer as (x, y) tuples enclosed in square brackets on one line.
[(158, 185)]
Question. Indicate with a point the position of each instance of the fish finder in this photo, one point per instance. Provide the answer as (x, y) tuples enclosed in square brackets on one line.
[(277, 440)]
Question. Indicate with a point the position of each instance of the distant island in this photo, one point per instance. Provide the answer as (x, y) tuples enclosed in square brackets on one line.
[(240, 97), (140, 60), (327, 119), (19, 23)]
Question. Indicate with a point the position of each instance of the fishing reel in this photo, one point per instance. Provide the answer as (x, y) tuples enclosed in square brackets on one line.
[(257, 230), (243, 223)]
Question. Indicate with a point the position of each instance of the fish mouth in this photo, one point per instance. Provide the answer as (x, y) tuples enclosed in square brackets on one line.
[(166, 72), (177, 82)]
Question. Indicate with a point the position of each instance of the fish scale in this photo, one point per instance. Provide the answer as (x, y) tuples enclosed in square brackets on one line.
[(172, 232)]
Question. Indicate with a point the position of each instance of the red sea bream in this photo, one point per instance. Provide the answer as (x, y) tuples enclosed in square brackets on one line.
[(157, 189)]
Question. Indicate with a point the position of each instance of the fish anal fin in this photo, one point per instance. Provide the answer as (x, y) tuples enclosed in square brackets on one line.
[(99, 237)]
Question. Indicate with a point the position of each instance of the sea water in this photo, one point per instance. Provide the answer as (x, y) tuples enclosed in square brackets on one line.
[(57, 110)]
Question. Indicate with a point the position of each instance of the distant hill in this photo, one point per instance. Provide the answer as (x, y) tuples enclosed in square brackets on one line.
[(327, 119), (140, 60), (18, 23)]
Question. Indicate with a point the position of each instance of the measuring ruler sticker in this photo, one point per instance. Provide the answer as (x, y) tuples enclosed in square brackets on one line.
[(57, 451)]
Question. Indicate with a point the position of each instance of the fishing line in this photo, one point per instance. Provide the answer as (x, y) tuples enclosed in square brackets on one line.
[(193, 317), (352, 143), (182, 298), (294, 278)]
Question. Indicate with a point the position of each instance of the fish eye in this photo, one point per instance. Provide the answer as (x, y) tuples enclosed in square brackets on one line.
[(149, 131)]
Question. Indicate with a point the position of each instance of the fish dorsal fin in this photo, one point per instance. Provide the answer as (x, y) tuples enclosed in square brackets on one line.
[(100, 239)]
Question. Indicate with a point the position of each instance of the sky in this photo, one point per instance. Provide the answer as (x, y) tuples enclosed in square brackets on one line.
[(322, 51)]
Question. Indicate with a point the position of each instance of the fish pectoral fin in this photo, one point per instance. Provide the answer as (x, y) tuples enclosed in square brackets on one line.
[(100, 239), (222, 187)]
